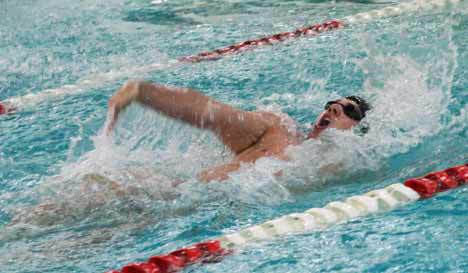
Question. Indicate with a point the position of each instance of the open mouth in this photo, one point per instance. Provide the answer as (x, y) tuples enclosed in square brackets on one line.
[(323, 122), (319, 126)]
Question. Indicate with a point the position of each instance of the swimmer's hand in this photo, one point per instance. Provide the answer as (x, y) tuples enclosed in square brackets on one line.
[(119, 101)]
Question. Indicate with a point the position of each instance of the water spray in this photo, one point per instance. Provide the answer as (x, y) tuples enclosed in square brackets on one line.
[(17, 103)]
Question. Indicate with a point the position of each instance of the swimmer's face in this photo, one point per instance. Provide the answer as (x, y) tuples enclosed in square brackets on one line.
[(342, 114)]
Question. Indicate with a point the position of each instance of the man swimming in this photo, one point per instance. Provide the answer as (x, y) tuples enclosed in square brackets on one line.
[(250, 135)]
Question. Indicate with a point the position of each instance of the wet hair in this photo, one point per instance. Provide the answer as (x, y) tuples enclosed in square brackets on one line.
[(364, 106)]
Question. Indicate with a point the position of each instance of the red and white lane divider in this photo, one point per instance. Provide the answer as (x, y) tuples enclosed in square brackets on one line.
[(16, 103), (417, 5), (375, 201), (268, 40)]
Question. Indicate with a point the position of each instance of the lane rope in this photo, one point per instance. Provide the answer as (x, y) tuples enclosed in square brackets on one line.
[(376, 201), (16, 103)]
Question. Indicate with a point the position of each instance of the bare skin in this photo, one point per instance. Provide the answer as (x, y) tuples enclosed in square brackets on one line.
[(250, 135)]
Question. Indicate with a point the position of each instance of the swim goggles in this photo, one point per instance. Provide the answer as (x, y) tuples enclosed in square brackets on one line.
[(349, 109)]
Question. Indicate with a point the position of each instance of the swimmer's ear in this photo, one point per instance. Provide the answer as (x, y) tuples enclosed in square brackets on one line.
[(362, 128)]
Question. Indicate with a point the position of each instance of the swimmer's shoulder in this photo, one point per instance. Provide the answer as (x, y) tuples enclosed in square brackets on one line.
[(282, 124), (277, 119)]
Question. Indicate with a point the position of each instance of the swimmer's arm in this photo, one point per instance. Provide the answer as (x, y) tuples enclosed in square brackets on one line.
[(254, 153), (237, 129), (219, 173), (183, 104)]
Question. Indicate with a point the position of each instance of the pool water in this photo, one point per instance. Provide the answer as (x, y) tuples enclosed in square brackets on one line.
[(412, 68)]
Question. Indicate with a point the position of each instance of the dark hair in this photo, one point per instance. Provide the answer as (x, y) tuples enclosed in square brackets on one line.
[(363, 105)]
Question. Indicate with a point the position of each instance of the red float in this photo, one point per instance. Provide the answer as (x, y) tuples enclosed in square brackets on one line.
[(211, 248), (444, 181), (425, 187), (440, 181), (2, 109), (167, 263), (459, 173), (141, 268), (189, 254)]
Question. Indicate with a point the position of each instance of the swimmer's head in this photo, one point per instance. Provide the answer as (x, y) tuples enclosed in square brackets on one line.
[(341, 114)]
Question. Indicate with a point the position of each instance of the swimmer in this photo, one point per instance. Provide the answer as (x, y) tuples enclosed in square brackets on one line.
[(250, 135)]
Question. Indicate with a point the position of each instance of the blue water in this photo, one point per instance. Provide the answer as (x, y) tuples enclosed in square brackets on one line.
[(413, 69)]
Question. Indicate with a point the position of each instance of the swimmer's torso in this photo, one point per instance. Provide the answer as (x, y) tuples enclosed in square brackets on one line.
[(273, 141)]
